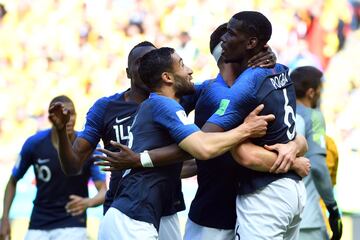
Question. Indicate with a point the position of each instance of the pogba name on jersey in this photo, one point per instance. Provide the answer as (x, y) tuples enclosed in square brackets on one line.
[(278, 81)]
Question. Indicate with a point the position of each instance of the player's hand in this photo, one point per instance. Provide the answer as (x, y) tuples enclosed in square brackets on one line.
[(59, 116), (301, 166), (257, 125), (5, 229), (286, 156), (125, 158), (266, 58), (335, 221), (77, 205)]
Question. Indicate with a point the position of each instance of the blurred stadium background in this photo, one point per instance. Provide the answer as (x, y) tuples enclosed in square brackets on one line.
[(80, 47)]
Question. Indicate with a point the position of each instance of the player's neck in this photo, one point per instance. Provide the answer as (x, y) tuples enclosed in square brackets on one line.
[(230, 71), (167, 91), (304, 101), (136, 95), (240, 67)]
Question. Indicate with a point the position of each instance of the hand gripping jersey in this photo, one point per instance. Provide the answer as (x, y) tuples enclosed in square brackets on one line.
[(274, 89)]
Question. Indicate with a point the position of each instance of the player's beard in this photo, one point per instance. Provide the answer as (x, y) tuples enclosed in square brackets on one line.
[(183, 87)]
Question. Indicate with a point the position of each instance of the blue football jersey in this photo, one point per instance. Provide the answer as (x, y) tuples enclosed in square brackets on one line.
[(148, 194), (275, 90), (214, 202), (53, 187), (109, 119)]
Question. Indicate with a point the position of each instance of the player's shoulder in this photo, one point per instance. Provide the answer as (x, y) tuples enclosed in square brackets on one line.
[(160, 103), (107, 100), (268, 72), (304, 111), (38, 137)]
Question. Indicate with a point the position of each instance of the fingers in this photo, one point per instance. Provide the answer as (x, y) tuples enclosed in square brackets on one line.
[(55, 106), (103, 163), (258, 56), (103, 158), (76, 210), (257, 110), (269, 117), (109, 169), (276, 164), (283, 165), (74, 199), (105, 151), (262, 61), (270, 147), (118, 145)]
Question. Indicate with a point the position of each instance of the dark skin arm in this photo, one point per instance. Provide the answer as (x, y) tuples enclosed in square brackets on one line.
[(72, 155), (189, 169)]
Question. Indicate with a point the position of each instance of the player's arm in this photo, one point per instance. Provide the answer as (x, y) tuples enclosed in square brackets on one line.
[(125, 158), (189, 169), (206, 145), (258, 158), (202, 146), (19, 170), (287, 153), (72, 156), (9, 196)]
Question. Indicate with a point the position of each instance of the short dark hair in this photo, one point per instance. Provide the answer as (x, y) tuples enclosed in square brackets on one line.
[(304, 78), (255, 24), (153, 64), (62, 99), (215, 37), (141, 44)]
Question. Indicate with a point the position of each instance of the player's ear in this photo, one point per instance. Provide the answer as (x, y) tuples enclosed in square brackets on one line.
[(310, 93), (128, 73), (252, 43), (167, 77)]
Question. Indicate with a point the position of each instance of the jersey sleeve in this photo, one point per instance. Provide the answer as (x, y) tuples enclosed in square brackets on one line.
[(24, 161), (96, 174), (94, 122), (95, 171), (170, 115), (234, 108), (188, 102)]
